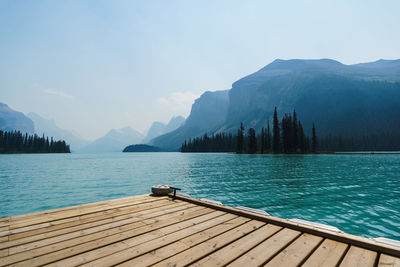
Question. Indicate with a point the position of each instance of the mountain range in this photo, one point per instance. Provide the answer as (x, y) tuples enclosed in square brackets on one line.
[(117, 140), (50, 128), (207, 114), (159, 128), (340, 99), (114, 141), (11, 120)]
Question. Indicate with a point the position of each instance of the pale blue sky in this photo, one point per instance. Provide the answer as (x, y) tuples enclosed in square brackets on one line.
[(96, 65)]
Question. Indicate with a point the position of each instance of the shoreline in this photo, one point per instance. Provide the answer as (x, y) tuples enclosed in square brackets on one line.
[(323, 153)]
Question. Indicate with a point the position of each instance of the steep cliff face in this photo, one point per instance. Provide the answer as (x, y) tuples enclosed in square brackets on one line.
[(11, 120), (340, 99), (207, 114), (209, 111), (174, 123), (337, 105)]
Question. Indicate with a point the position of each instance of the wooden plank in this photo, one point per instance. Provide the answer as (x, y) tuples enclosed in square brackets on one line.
[(4, 221), (69, 222), (340, 237), (140, 232), (4, 227), (141, 235), (4, 253), (4, 239), (50, 221), (267, 249), (359, 257), (73, 246), (141, 220), (24, 217), (199, 251), (80, 211), (296, 252), (178, 246), (105, 219), (158, 242), (239, 247), (90, 230), (328, 253), (388, 261), (73, 213)]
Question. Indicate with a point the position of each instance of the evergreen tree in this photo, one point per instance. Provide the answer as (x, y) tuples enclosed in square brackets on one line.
[(302, 141), (16, 142), (314, 139), (268, 138), (284, 134), (307, 143), (252, 144), (47, 144), (240, 139), (290, 132), (276, 132), (295, 133), (262, 136), (288, 137)]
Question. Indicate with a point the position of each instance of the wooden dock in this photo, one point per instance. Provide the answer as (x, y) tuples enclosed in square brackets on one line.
[(160, 231)]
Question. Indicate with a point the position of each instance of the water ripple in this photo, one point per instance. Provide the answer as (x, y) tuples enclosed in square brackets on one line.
[(359, 194)]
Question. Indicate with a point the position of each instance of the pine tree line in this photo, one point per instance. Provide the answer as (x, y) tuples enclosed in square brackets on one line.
[(371, 142), (287, 137), (293, 139), (216, 143), (16, 142)]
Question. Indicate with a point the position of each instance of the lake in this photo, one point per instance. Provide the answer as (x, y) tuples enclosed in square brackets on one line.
[(359, 194)]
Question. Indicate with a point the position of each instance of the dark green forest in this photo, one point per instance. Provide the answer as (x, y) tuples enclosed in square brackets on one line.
[(287, 137), (16, 142), (372, 142)]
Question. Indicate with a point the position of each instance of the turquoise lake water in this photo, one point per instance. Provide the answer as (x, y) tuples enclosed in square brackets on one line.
[(359, 194)]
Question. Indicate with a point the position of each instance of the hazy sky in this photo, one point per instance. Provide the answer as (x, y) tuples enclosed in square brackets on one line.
[(96, 65)]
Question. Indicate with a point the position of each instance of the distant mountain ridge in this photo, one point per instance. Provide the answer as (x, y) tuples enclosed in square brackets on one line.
[(159, 128), (340, 99), (11, 120), (49, 128), (114, 141)]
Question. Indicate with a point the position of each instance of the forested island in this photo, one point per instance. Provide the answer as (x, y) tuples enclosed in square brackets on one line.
[(286, 137), (17, 142), (142, 148)]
